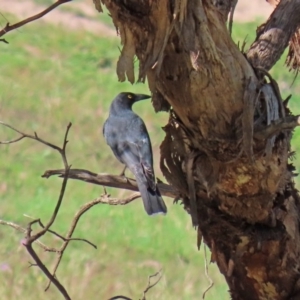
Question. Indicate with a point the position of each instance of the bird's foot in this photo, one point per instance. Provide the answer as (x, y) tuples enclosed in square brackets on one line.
[(123, 174)]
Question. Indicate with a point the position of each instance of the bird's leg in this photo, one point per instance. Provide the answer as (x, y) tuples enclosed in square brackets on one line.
[(123, 172)]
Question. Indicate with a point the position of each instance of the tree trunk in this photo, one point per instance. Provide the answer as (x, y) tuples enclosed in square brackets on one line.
[(227, 142)]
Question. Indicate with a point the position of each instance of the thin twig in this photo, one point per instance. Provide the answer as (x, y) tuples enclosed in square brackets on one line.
[(211, 283), (67, 239), (104, 199), (13, 141), (119, 297), (150, 286), (24, 230), (8, 27), (30, 136)]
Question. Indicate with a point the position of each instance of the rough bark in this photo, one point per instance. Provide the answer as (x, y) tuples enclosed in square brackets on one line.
[(228, 139), (274, 36)]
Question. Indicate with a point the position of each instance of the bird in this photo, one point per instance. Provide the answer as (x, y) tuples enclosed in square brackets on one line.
[(126, 134)]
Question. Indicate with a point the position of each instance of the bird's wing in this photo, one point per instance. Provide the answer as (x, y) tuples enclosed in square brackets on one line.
[(141, 148)]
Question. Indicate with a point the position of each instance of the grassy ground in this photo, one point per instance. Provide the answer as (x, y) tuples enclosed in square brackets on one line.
[(48, 78)]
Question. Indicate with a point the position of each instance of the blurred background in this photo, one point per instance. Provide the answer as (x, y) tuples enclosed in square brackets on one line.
[(61, 69)]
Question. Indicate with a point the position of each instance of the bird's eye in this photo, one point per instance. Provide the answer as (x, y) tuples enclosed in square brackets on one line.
[(129, 96)]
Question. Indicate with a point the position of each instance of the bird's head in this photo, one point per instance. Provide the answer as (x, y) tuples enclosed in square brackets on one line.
[(125, 101), (132, 98)]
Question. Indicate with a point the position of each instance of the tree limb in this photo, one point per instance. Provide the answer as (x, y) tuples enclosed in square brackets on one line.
[(29, 238), (274, 36), (109, 180)]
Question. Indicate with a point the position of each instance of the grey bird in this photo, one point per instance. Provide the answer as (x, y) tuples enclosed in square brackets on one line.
[(127, 136)]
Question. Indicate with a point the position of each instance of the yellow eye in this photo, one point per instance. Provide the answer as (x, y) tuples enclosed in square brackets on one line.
[(129, 96)]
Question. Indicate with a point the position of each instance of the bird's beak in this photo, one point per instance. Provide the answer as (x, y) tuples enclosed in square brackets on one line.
[(139, 97)]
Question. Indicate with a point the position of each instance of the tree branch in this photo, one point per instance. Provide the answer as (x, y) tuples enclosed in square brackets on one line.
[(40, 264), (104, 199), (8, 27), (109, 180), (24, 230), (149, 286), (67, 239), (274, 36), (30, 239)]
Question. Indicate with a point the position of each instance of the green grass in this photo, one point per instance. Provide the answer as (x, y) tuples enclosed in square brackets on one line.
[(49, 77)]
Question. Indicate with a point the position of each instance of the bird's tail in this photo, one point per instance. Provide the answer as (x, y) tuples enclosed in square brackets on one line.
[(153, 202)]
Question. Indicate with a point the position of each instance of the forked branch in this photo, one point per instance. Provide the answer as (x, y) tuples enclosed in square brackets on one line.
[(29, 237), (66, 173)]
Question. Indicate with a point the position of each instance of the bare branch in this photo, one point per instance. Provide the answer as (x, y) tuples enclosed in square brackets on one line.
[(24, 230), (150, 286), (33, 137), (67, 239), (110, 180), (274, 36), (30, 239), (62, 151), (40, 264), (8, 27), (104, 199), (119, 297), (13, 141)]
